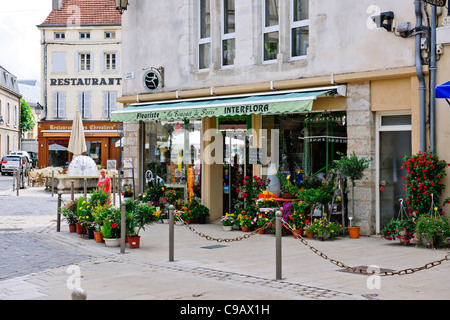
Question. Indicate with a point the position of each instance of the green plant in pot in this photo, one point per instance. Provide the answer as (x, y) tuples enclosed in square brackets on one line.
[(136, 220), (352, 168), (434, 229)]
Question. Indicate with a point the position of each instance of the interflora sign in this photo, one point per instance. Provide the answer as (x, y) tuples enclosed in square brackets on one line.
[(439, 3)]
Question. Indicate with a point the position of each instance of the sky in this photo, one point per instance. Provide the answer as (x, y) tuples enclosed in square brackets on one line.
[(20, 49)]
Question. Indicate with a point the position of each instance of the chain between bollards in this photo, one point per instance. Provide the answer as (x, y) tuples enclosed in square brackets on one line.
[(171, 233)]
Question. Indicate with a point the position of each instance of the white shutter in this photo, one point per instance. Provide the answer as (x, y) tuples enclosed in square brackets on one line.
[(102, 62), (77, 62), (112, 101), (55, 105), (117, 61), (80, 103), (105, 105), (92, 62), (62, 104), (59, 62), (87, 104)]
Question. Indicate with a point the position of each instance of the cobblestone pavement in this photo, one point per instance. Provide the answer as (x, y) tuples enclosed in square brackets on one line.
[(27, 253)]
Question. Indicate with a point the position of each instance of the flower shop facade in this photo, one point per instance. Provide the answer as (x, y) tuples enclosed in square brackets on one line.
[(205, 146)]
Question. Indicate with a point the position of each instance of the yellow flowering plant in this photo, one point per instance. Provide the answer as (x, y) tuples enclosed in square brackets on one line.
[(324, 229)]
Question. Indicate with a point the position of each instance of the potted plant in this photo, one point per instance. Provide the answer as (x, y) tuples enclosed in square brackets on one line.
[(352, 168), (297, 219), (433, 229), (69, 215), (136, 220), (111, 233), (245, 221), (227, 221), (200, 212), (324, 229), (127, 193), (261, 222), (402, 229)]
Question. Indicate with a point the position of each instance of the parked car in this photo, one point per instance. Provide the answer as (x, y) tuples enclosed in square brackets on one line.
[(21, 153), (12, 162), (34, 159)]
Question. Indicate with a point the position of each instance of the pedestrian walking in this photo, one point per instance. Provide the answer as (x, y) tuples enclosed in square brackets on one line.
[(104, 183)]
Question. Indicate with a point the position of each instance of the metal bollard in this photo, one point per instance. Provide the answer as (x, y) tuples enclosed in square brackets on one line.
[(278, 244), (122, 228), (18, 182), (58, 216), (171, 233), (53, 183), (72, 190), (114, 190), (85, 187)]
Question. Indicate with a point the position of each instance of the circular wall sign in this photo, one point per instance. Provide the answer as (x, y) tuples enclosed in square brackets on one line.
[(152, 80)]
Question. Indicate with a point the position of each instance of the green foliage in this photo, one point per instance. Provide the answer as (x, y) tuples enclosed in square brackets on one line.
[(424, 174), (351, 166), (399, 228), (434, 229), (27, 120), (99, 197)]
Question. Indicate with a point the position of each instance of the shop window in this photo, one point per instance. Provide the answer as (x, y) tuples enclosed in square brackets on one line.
[(94, 150), (58, 156), (308, 144), (172, 153), (299, 28)]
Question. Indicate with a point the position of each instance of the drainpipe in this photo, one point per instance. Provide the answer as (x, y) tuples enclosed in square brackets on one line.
[(420, 76), (433, 80)]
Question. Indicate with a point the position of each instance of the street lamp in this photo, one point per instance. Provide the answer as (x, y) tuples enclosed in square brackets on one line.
[(1, 121), (121, 5)]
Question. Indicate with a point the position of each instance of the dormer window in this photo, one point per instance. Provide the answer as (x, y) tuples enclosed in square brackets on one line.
[(85, 35)]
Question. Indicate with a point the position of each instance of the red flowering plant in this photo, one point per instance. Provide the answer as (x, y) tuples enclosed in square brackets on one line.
[(249, 190), (423, 183)]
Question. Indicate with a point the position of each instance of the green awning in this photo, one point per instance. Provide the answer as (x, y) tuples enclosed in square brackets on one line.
[(258, 104)]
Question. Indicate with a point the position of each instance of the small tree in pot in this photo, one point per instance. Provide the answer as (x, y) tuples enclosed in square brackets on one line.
[(352, 168)]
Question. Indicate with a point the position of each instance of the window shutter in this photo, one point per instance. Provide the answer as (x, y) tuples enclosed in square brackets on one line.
[(62, 104), (112, 101), (55, 105), (105, 105), (92, 62), (59, 62), (117, 61), (102, 62), (87, 104), (77, 62), (80, 103)]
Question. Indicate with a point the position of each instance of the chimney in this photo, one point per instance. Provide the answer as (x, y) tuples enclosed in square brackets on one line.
[(56, 5)]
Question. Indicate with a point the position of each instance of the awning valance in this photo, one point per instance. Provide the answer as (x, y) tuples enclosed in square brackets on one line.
[(220, 107)]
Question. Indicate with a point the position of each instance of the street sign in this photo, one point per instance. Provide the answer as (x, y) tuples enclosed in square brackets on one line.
[(439, 3)]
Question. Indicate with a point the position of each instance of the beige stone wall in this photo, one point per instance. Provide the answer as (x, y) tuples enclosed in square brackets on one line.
[(361, 140)]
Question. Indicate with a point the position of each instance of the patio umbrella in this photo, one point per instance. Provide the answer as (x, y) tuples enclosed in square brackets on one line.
[(77, 142), (443, 92)]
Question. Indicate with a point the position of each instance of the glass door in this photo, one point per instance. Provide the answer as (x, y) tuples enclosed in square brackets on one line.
[(394, 142)]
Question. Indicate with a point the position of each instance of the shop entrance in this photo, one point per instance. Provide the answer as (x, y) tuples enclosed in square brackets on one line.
[(236, 144), (393, 143)]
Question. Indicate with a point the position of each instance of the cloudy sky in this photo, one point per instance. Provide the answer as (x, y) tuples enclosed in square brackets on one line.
[(20, 51)]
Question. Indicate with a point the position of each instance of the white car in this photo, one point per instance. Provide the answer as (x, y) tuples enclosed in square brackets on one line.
[(13, 162), (21, 153)]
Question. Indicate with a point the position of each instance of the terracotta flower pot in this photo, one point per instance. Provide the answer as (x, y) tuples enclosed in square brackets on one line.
[(298, 233), (310, 235), (80, 229), (244, 229), (134, 242), (98, 236), (72, 227), (353, 232)]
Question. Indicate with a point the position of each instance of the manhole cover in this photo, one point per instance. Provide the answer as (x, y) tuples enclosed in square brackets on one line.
[(214, 246)]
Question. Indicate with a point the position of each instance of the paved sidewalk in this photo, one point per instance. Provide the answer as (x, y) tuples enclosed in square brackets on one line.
[(238, 270)]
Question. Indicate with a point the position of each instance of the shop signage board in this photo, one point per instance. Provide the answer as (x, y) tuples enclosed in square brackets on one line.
[(439, 3), (273, 104)]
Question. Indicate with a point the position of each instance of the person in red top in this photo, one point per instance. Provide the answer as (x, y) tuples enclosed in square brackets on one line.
[(104, 183)]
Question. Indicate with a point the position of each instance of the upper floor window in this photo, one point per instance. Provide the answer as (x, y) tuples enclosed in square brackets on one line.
[(204, 43), (84, 104), (228, 32), (85, 35), (60, 35), (59, 105), (110, 34), (85, 61), (271, 29), (110, 61), (299, 27)]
